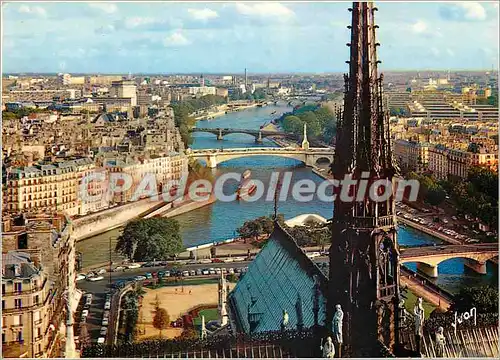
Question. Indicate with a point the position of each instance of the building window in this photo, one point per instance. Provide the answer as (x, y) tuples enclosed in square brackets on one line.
[(3, 289), (37, 299), (4, 339), (18, 303), (19, 336), (17, 320), (3, 304), (18, 287)]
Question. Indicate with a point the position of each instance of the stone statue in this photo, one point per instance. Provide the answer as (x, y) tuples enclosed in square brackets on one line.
[(419, 312), (328, 348), (338, 317), (440, 342), (284, 323), (402, 311)]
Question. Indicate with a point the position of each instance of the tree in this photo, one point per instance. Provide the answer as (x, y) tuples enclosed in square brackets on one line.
[(150, 239), (293, 124), (161, 319), (313, 126), (484, 299)]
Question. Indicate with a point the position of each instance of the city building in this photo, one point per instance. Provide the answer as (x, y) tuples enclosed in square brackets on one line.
[(202, 90), (39, 249), (124, 89), (27, 308), (411, 155), (51, 187)]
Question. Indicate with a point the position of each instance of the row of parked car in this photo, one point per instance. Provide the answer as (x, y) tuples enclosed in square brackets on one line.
[(185, 273)]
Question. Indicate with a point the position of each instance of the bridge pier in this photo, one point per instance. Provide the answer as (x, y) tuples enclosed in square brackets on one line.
[(212, 162), (258, 140), (431, 271), (220, 136), (477, 266)]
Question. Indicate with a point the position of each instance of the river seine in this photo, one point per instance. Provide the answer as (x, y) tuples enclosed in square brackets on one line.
[(220, 220)]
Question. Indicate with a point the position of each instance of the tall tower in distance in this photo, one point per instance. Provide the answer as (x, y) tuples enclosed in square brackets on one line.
[(364, 255), (246, 79)]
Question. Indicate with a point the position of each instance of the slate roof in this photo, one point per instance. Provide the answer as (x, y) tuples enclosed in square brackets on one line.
[(280, 278), (21, 259)]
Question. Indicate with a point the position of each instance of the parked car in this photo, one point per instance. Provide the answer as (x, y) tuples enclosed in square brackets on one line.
[(88, 300), (139, 278), (96, 278), (199, 272), (192, 273), (185, 273), (231, 270), (118, 284), (149, 264), (80, 277), (133, 266), (205, 272), (217, 260), (104, 331), (119, 268), (101, 271), (107, 305), (101, 340), (105, 322), (148, 275)]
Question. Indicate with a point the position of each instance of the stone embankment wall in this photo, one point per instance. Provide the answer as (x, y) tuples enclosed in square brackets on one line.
[(109, 219)]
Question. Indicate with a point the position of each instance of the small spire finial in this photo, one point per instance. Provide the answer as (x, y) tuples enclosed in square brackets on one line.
[(305, 142)]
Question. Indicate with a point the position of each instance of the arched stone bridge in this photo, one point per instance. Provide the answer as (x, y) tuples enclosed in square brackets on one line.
[(309, 157), (258, 134), (429, 257)]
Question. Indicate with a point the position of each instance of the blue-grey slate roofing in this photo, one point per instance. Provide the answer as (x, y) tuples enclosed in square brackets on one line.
[(281, 277)]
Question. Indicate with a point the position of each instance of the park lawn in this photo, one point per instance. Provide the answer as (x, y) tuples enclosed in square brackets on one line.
[(410, 301), (210, 314)]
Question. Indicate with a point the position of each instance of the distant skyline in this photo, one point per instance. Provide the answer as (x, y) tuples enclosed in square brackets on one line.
[(268, 37)]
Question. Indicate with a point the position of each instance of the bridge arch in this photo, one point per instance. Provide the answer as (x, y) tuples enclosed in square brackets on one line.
[(323, 160), (429, 264)]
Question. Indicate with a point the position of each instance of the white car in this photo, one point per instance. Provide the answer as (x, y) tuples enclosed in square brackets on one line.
[(80, 277), (85, 313), (133, 266), (105, 322), (107, 305), (96, 278), (101, 340)]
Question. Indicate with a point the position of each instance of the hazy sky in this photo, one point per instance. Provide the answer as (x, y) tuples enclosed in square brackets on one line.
[(227, 37)]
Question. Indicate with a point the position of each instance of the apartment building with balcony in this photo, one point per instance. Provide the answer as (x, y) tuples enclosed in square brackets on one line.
[(51, 187), (27, 306), (38, 268), (411, 155)]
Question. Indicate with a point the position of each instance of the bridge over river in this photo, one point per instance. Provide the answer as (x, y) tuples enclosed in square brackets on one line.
[(429, 257), (259, 134), (309, 157)]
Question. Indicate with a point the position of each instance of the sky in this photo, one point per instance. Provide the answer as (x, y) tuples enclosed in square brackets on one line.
[(268, 37)]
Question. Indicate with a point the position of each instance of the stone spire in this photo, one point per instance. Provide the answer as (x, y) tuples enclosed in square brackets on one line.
[(364, 263), (305, 142)]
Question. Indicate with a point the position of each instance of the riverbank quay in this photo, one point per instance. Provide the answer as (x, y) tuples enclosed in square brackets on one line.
[(116, 217), (429, 231), (425, 289)]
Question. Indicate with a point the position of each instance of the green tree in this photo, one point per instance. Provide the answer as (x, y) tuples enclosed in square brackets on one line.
[(293, 124), (161, 319), (484, 299), (149, 239), (313, 126)]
